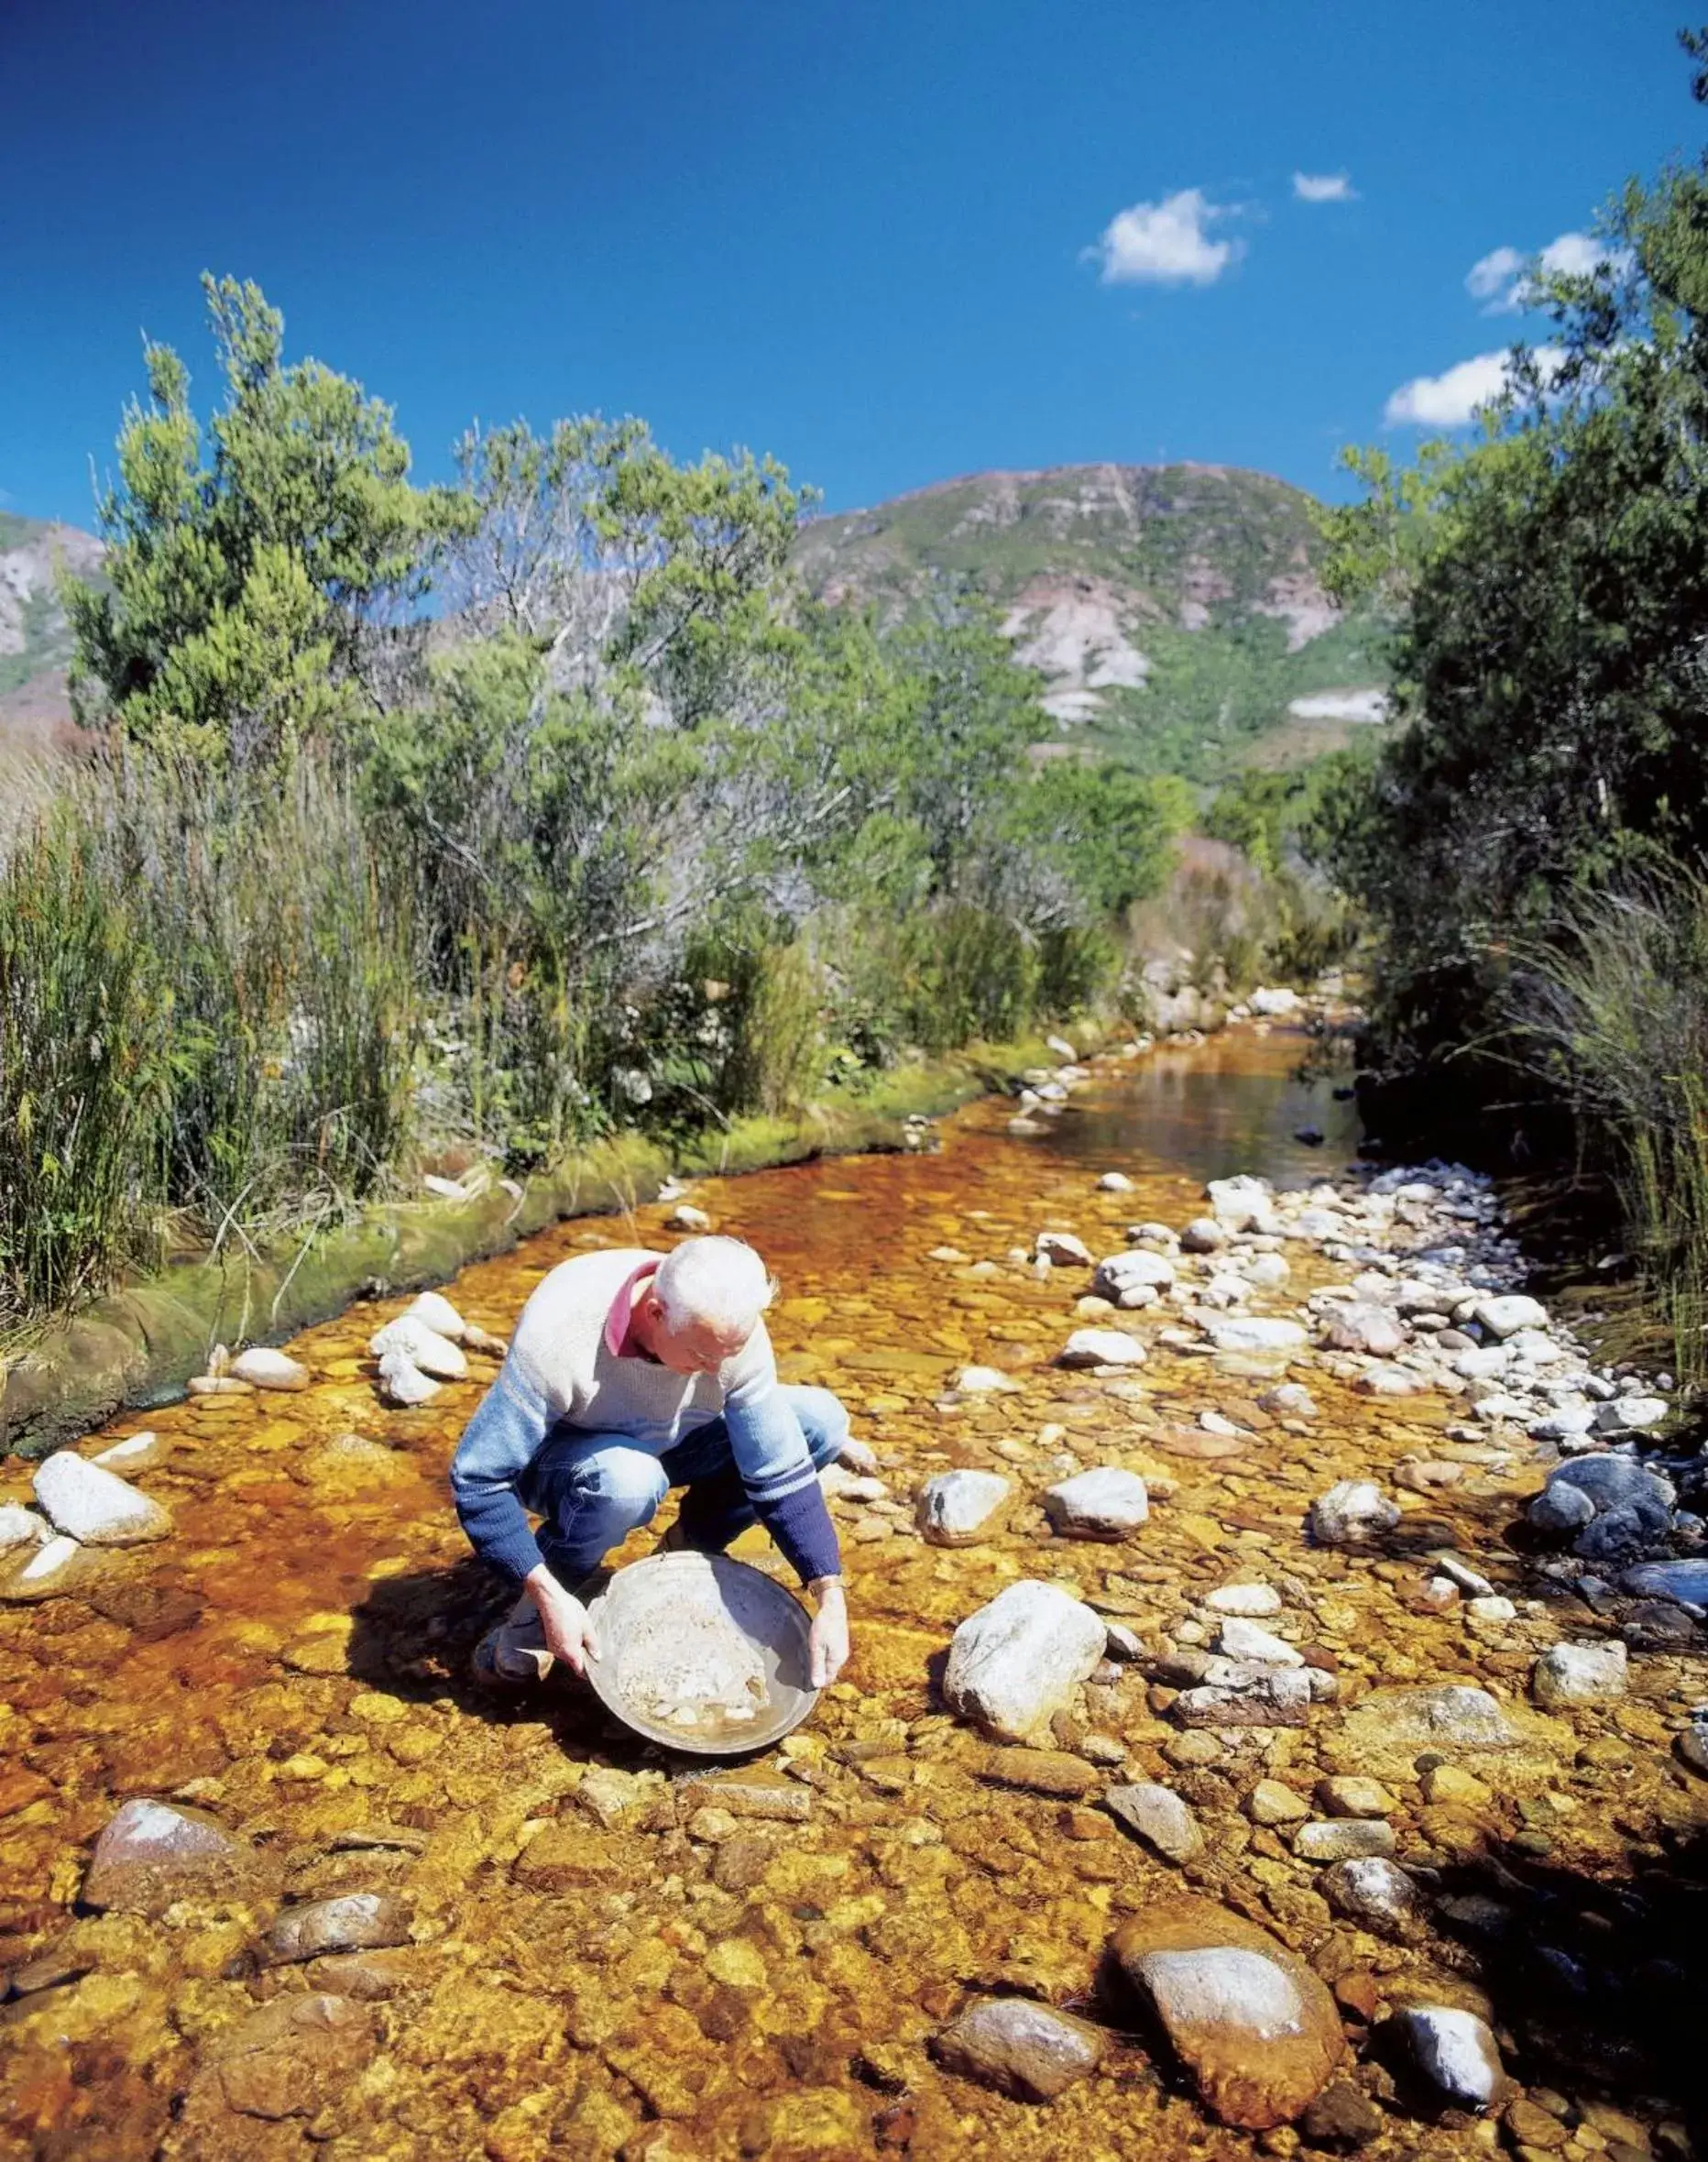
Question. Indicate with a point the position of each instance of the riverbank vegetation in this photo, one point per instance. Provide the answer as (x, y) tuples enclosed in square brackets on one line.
[(1528, 848), (437, 826)]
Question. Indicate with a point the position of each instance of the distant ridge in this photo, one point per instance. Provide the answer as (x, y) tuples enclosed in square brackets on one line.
[(1175, 611), (35, 638)]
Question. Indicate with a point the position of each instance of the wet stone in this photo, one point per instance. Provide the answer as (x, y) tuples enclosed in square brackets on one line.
[(96, 1507), (1025, 2049), (1159, 1817), (353, 1921), (262, 1367), (1256, 2028), (1351, 1513), (1018, 1659), (754, 1792), (152, 1853), (1580, 1673), (1040, 1771), (958, 1508), (1339, 1838), (1455, 2052), (1104, 1503), (1373, 1892)]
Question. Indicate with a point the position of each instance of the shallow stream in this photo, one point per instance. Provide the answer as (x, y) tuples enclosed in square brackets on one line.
[(594, 1964)]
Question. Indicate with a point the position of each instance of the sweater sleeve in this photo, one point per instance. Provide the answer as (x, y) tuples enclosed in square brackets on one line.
[(497, 1446), (770, 1452)]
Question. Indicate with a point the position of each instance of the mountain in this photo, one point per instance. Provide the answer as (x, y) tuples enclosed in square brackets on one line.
[(1175, 611), (35, 639)]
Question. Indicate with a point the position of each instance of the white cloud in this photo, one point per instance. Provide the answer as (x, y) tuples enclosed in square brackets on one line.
[(1493, 276), (1575, 254), (1324, 187), (1165, 243), (1502, 277), (1452, 400)]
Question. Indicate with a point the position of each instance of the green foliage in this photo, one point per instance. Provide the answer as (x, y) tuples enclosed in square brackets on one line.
[(205, 1007), (1549, 660), (84, 1065), (1109, 832), (633, 835), (1612, 1008), (243, 587)]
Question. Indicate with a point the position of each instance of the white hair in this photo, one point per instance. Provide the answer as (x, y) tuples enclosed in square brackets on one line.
[(716, 1283)]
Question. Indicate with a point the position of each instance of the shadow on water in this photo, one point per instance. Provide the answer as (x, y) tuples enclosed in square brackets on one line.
[(1228, 1105)]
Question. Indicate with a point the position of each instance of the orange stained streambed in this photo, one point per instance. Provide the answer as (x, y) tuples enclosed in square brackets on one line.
[(594, 1962)]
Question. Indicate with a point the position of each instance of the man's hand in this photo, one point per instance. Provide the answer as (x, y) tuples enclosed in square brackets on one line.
[(568, 1630), (829, 1639)]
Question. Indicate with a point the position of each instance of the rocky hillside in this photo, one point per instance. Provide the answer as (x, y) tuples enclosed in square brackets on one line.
[(1175, 611), (35, 640)]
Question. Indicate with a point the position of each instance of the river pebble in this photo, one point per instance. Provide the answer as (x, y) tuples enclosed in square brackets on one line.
[(1027, 2050)]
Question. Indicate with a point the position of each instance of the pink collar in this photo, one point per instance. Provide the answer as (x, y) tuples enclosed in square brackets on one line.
[(622, 1306)]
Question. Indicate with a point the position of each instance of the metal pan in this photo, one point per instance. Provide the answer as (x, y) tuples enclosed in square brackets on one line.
[(702, 1654)]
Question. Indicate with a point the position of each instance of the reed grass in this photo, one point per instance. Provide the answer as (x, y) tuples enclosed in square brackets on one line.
[(1612, 1009)]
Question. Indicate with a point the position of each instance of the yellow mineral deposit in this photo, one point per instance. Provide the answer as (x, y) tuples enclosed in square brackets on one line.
[(357, 1909)]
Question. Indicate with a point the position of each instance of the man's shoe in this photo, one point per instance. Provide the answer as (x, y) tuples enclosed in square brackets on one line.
[(514, 1654)]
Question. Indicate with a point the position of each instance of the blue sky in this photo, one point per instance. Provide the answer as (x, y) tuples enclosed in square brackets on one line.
[(888, 240)]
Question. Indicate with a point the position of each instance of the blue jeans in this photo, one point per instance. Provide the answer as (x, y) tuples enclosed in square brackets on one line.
[(593, 1489)]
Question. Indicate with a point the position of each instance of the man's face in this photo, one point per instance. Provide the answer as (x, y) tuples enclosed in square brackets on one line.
[(694, 1348)]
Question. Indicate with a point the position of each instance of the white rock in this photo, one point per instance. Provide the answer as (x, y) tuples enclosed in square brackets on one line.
[(1275, 1002), (685, 1216), (54, 1566), (435, 1311), (1350, 1513), (402, 1382), (20, 1526), (844, 1481), (1580, 1673), (94, 1507), (1291, 1400), (1241, 1639), (1343, 1838), (1456, 2051), (1566, 1423), (1204, 1235), (137, 1452), (263, 1368), (1630, 1414), (1063, 1248), (1241, 1203), (423, 1347), (1062, 1049), (1101, 1347), (1385, 1380), (957, 1507), (1114, 1182), (1505, 1316), (1019, 1660), (1119, 1272), (1102, 1503), (1363, 1327), (1250, 1599), (976, 1381), (1371, 1890), (1491, 1607), (1251, 1331), (1159, 1817), (1492, 1409), (1268, 1271)]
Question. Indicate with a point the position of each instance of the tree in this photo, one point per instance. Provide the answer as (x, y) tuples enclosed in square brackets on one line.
[(1550, 656), (246, 588)]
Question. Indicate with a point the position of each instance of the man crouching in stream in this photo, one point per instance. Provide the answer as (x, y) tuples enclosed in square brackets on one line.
[(630, 1373)]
